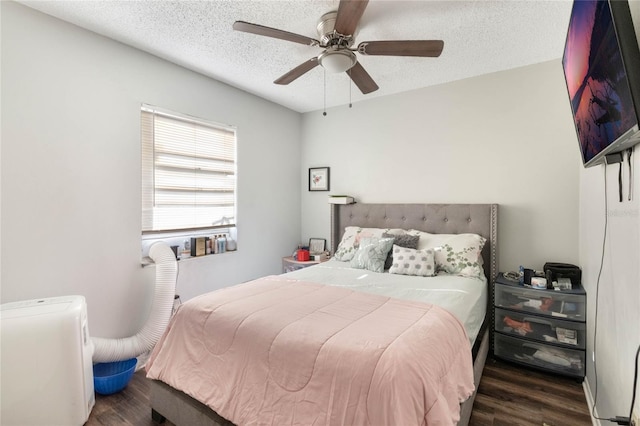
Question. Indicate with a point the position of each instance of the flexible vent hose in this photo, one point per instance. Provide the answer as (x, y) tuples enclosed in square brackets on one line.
[(109, 350)]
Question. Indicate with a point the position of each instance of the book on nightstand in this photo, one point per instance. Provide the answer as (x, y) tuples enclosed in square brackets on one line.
[(341, 199)]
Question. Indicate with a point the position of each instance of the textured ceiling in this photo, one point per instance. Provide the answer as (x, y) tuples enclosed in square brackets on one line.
[(480, 37)]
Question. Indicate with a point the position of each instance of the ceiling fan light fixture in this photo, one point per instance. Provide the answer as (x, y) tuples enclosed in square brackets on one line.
[(335, 61)]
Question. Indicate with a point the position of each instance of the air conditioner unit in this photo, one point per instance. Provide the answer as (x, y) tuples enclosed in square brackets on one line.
[(47, 372)]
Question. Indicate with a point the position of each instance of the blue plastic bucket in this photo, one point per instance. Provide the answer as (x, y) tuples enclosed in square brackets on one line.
[(112, 377)]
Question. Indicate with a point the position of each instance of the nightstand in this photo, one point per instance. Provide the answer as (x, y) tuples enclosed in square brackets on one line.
[(289, 264), (545, 329)]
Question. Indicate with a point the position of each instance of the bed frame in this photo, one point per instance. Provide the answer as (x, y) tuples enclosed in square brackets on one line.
[(481, 219)]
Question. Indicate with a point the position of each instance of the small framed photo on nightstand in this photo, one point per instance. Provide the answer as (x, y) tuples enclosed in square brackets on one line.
[(319, 179), (317, 245)]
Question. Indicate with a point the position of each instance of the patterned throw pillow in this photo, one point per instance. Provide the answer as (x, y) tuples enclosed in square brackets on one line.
[(461, 256), (455, 254), (351, 240), (401, 240), (407, 261), (371, 254)]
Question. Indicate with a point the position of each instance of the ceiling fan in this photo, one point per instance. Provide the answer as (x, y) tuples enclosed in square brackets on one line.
[(336, 31)]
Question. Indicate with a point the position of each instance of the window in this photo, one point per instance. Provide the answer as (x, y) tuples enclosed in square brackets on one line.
[(188, 173)]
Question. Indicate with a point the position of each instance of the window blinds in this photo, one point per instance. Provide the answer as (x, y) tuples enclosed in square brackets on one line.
[(188, 173)]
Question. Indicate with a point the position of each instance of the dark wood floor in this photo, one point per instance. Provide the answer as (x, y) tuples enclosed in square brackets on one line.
[(507, 396), (510, 395)]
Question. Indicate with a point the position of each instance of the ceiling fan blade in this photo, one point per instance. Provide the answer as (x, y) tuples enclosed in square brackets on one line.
[(273, 32), (297, 71), (349, 14), (424, 48), (362, 79)]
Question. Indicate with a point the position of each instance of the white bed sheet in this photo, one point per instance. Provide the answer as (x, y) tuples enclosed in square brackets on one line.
[(466, 298)]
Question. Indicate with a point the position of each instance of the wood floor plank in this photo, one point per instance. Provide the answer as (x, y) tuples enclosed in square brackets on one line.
[(508, 395)]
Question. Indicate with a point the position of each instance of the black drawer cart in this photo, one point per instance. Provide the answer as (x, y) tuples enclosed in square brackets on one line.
[(540, 328)]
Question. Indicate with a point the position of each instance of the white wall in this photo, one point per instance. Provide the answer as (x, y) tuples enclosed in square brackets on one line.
[(502, 138), (70, 170), (618, 319)]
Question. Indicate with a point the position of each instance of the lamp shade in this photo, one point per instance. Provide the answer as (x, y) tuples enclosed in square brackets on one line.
[(336, 61)]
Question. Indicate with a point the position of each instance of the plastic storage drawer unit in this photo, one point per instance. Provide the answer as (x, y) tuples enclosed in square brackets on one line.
[(541, 328)]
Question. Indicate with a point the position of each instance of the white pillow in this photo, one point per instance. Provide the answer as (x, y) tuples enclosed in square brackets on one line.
[(351, 240), (407, 261), (455, 254)]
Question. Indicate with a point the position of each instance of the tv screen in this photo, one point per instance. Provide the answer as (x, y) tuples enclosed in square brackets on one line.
[(600, 54)]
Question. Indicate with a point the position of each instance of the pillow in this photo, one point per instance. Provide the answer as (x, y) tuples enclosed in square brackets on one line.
[(407, 261), (461, 255), (401, 240), (371, 254), (455, 254), (351, 240)]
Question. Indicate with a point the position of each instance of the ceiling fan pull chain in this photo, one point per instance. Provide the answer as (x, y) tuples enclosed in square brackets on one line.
[(629, 153), (350, 84), (324, 73)]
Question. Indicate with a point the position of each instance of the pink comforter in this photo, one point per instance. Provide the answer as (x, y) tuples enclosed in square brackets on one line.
[(277, 351)]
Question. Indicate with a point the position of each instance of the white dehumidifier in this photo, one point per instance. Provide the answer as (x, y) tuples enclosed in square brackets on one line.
[(46, 375)]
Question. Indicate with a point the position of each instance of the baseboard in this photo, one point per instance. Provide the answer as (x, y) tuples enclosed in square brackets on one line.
[(589, 397)]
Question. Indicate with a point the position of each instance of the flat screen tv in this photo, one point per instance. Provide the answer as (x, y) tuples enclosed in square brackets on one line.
[(601, 65)]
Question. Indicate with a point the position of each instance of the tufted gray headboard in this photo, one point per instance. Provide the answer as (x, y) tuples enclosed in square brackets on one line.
[(481, 219)]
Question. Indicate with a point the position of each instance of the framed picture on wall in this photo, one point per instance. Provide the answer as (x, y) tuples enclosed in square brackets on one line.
[(319, 179)]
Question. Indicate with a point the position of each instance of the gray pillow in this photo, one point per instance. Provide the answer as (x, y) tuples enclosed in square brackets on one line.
[(403, 240)]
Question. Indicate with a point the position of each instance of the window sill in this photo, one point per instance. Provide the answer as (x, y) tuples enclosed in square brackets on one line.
[(147, 261)]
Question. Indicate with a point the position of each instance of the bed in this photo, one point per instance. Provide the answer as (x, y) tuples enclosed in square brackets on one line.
[(294, 375)]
